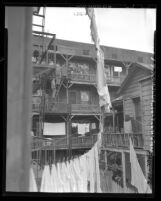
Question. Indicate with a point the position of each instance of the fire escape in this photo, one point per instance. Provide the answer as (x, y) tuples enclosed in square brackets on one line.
[(42, 76)]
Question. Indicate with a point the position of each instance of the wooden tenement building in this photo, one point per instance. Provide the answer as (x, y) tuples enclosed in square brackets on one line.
[(65, 109)]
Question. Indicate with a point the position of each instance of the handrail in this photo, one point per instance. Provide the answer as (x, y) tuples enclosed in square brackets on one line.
[(59, 142), (109, 140)]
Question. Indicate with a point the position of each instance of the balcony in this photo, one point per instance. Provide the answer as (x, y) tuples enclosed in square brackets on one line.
[(85, 108), (58, 107), (122, 140), (114, 140), (90, 78), (62, 143)]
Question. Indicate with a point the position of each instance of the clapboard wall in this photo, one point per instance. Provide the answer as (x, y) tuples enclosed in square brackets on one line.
[(139, 84), (147, 107)]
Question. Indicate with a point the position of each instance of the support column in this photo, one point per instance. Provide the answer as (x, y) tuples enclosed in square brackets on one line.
[(19, 98), (123, 169)]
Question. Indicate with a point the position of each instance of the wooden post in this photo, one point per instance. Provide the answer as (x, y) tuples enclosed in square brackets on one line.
[(123, 169), (19, 98), (113, 120)]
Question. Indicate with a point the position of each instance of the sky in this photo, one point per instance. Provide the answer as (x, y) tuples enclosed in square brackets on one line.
[(128, 28)]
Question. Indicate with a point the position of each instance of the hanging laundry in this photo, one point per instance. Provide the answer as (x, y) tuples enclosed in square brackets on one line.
[(81, 129), (83, 172), (73, 183), (46, 182), (97, 168), (86, 128), (60, 181), (92, 172), (102, 88), (54, 178), (77, 173), (137, 176), (65, 178), (33, 185), (93, 126)]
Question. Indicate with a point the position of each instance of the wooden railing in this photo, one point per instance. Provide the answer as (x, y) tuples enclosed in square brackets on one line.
[(113, 140), (62, 142), (61, 107), (82, 77), (92, 78), (85, 108), (122, 140)]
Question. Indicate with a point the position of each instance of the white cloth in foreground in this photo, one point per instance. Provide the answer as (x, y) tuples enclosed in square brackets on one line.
[(33, 185), (137, 176), (73, 176), (46, 182)]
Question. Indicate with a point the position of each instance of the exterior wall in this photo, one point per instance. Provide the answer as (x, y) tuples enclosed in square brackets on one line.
[(142, 89), (147, 101), (132, 90)]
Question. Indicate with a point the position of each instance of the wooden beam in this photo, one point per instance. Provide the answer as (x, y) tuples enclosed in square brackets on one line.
[(69, 58)]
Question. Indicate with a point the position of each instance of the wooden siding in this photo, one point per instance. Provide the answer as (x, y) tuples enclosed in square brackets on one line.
[(143, 89), (132, 88), (146, 95)]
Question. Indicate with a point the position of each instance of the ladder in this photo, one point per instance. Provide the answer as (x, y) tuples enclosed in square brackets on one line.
[(40, 17)]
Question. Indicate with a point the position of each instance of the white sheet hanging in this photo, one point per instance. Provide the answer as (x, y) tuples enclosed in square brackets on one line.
[(137, 176), (46, 182), (32, 185)]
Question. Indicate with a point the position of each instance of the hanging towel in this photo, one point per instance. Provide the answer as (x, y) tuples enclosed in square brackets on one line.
[(76, 171), (81, 129), (92, 166), (137, 176), (66, 183), (33, 185), (60, 181), (83, 172), (98, 183), (86, 128), (54, 178), (46, 182)]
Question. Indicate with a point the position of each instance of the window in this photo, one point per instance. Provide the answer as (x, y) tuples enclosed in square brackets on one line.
[(84, 96), (116, 71)]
